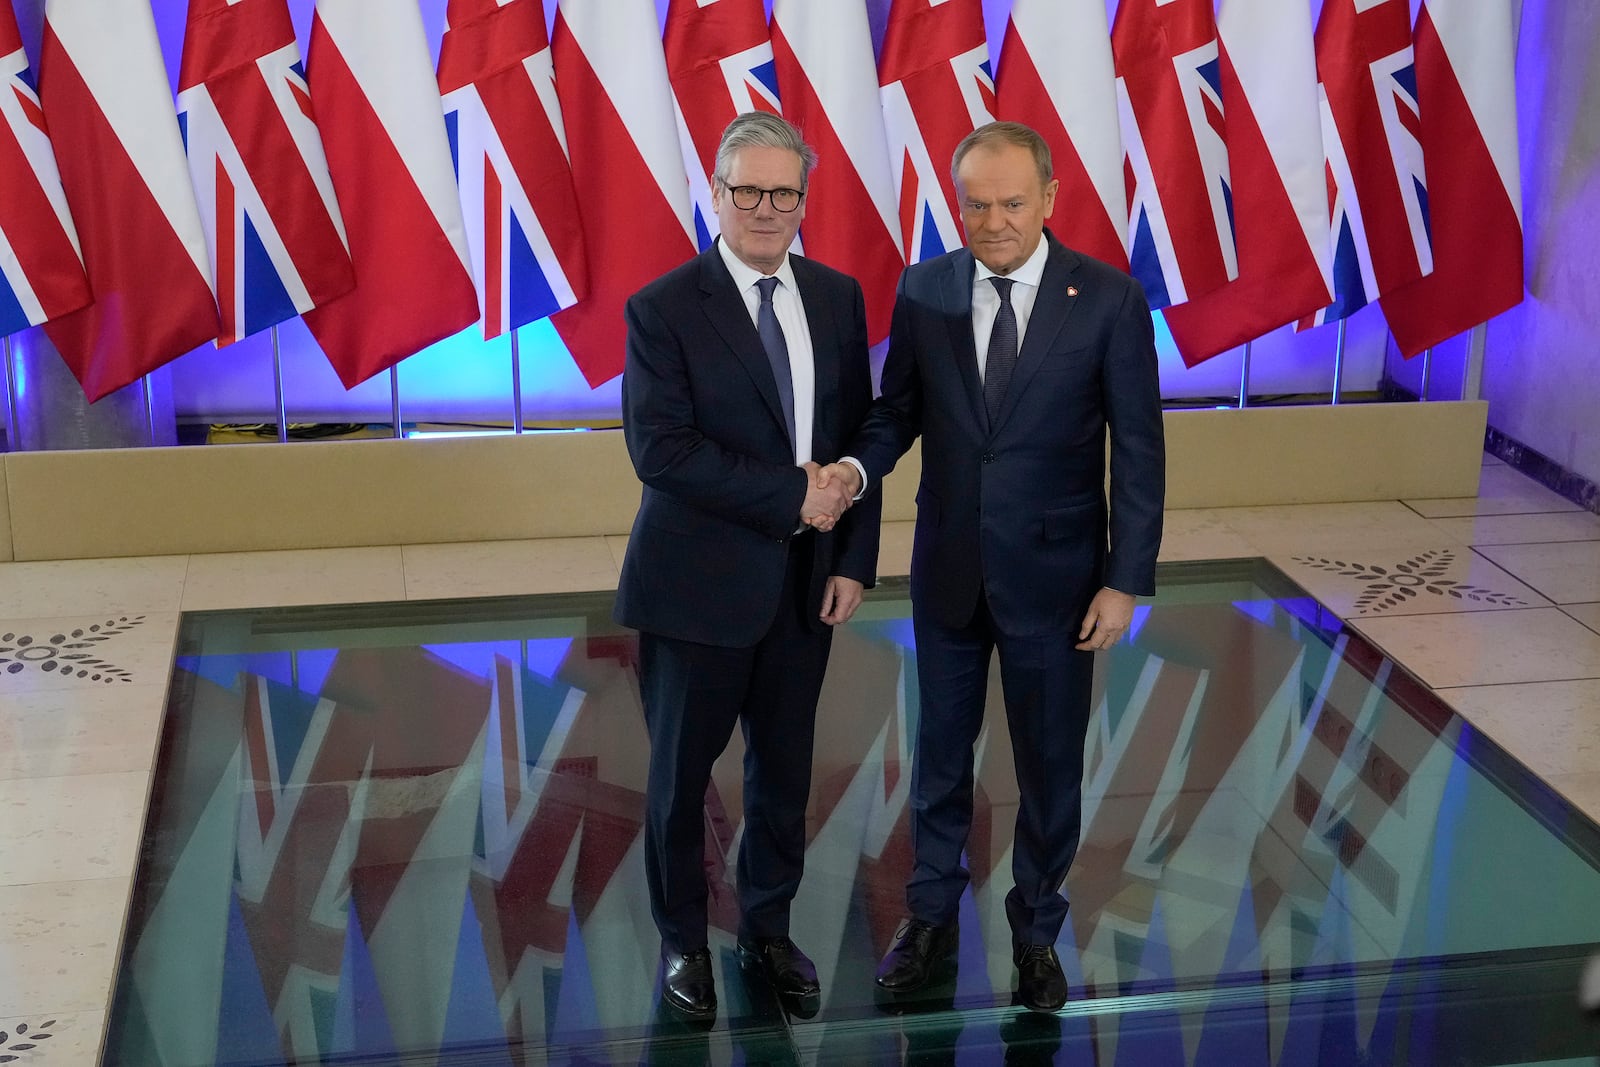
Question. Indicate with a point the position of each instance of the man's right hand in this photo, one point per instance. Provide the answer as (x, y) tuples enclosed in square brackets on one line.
[(841, 473), (827, 498)]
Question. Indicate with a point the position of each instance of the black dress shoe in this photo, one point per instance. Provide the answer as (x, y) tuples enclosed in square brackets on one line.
[(1040, 984), (785, 966), (687, 986), (918, 945)]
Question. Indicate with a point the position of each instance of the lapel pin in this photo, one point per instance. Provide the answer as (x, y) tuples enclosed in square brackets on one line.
[(1072, 290)]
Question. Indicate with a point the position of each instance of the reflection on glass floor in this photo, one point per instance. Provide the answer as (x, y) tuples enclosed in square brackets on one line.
[(410, 833)]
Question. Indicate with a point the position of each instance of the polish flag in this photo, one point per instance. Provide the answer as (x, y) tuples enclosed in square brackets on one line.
[(825, 75), (1371, 134), (937, 87), (638, 223), (719, 60), (1169, 91), (510, 151), (1275, 158), (41, 268), (273, 230), (1071, 99), (378, 105), (108, 105), (1466, 60)]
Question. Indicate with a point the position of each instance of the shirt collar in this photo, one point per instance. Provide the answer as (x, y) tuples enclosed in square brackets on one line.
[(1030, 273), (746, 276)]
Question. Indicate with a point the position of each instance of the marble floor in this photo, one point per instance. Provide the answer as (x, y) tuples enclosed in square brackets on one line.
[(1493, 600)]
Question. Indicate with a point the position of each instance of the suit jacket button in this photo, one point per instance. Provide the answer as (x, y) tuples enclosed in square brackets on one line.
[(988, 457)]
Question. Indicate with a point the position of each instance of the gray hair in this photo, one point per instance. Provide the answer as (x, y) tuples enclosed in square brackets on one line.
[(762, 129), (999, 133)]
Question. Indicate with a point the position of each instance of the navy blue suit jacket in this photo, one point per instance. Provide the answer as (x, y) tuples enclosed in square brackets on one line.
[(1019, 507), (706, 433)]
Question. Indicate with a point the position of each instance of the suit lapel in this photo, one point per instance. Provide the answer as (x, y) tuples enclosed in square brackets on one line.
[(724, 307), (1052, 307), (955, 293)]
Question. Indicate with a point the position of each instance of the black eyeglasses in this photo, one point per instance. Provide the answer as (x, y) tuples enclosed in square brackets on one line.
[(748, 197)]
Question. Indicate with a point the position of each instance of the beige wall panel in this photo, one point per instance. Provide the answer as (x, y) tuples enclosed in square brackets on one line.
[(158, 501), (1302, 455)]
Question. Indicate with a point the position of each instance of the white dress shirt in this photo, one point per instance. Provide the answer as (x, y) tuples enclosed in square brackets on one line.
[(791, 315), (986, 300)]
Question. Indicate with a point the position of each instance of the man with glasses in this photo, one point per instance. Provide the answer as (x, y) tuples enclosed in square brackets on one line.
[(746, 368)]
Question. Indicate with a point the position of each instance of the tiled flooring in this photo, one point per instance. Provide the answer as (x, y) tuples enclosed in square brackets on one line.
[(1493, 600)]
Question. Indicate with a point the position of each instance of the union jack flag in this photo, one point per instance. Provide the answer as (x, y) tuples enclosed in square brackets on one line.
[(41, 265), (1371, 134), (937, 86), (1180, 196), (272, 225), (509, 147), (719, 61)]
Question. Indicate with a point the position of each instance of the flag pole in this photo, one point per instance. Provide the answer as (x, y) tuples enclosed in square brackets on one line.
[(1427, 365), (13, 415), (277, 386), (1244, 379), (394, 399), (1338, 360), (516, 382), (149, 409)]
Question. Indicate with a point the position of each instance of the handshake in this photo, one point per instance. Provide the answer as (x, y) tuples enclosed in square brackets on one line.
[(829, 493)]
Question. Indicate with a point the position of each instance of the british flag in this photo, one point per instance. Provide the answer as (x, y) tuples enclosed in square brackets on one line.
[(510, 151), (719, 61), (41, 266), (272, 225), (937, 87), (1371, 133), (1180, 197)]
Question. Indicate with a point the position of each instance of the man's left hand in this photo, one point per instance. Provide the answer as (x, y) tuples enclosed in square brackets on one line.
[(1110, 615), (840, 598)]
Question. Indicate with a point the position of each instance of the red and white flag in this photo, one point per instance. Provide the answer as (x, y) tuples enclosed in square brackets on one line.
[(637, 221), (108, 105), (826, 74), (372, 84), (719, 60), (41, 269), (509, 146), (1057, 76), (937, 87), (1169, 90), (1466, 56), (1371, 134), (273, 229), (1276, 162)]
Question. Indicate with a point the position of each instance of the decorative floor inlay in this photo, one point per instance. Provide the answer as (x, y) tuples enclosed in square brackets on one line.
[(1392, 585), (68, 654), (16, 1044)]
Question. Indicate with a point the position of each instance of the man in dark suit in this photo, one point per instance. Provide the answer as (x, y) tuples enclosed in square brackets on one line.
[(745, 367), (1010, 359)]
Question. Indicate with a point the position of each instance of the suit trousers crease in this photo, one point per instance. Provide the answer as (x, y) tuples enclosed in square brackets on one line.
[(1047, 685), (693, 695)]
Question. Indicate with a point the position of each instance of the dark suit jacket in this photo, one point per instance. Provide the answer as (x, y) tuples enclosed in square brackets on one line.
[(705, 429), (1020, 506)]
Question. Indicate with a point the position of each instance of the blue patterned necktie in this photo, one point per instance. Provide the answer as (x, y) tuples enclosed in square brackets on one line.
[(778, 350), (1002, 358)]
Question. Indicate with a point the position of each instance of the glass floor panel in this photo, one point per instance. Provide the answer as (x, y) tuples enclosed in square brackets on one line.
[(410, 834)]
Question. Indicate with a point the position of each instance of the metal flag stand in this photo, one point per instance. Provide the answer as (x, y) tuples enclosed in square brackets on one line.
[(1427, 366), (394, 399), (516, 383), (1338, 361), (277, 386), (1244, 379), (13, 414)]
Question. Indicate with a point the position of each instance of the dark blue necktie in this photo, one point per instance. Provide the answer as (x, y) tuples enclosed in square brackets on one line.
[(778, 351), (1002, 358)]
